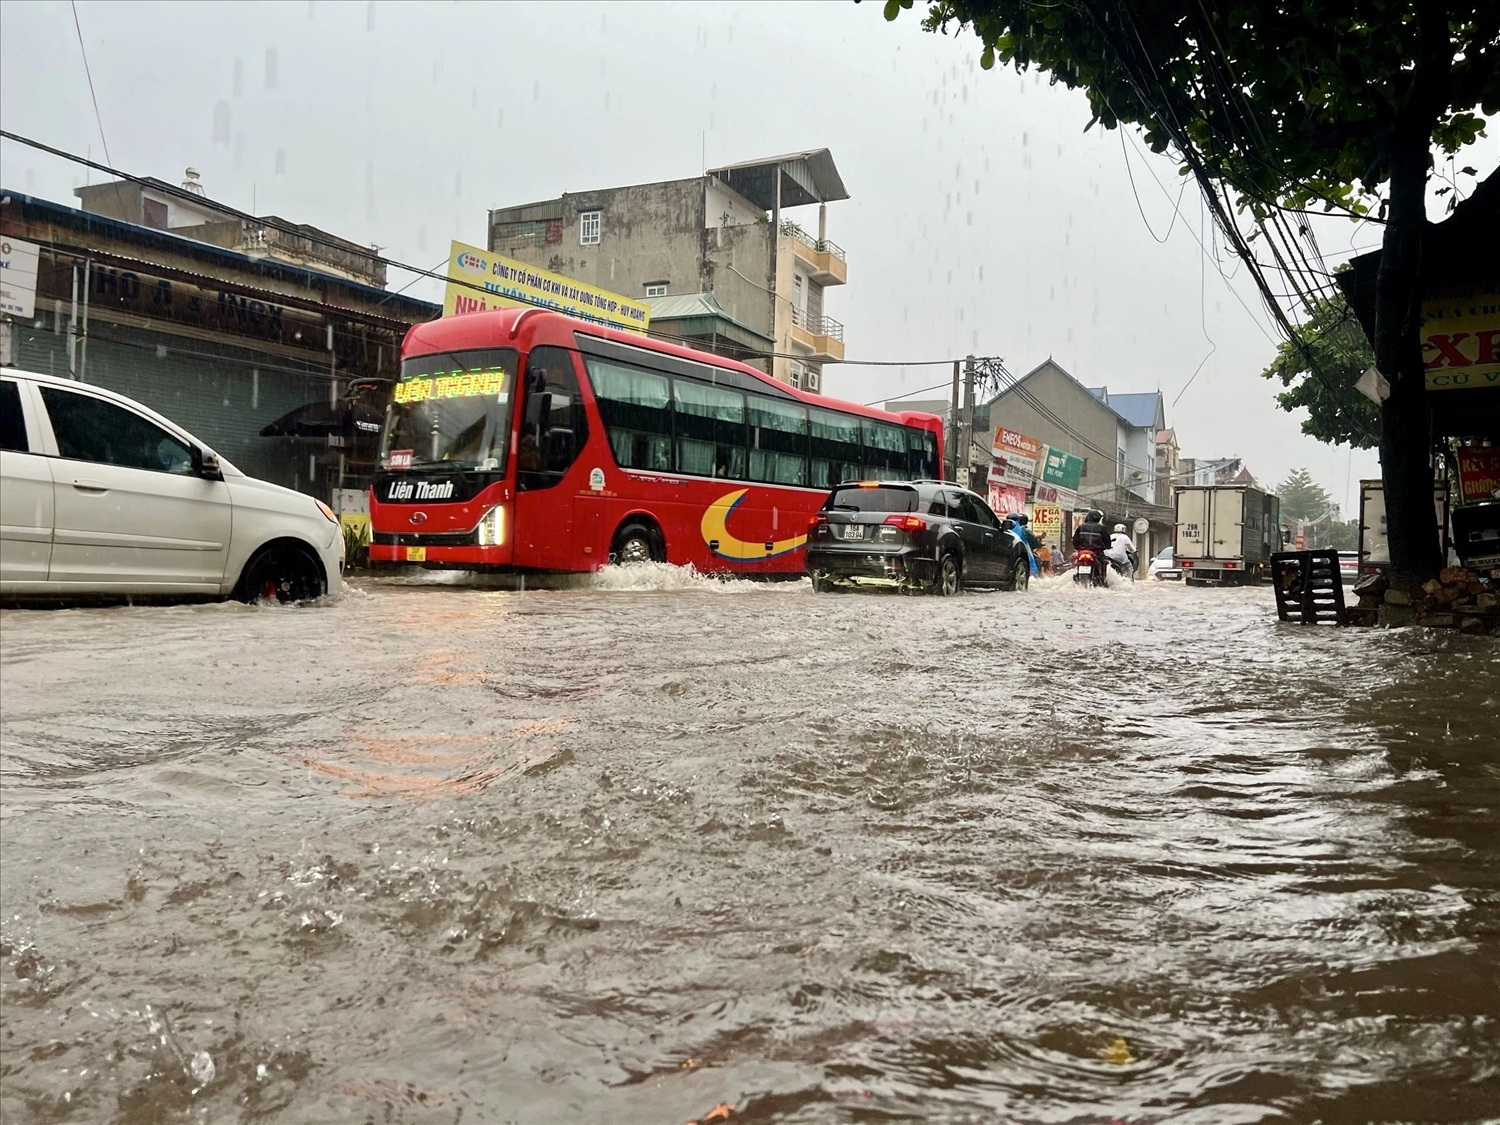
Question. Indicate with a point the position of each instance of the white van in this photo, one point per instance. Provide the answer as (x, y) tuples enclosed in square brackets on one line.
[(100, 496)]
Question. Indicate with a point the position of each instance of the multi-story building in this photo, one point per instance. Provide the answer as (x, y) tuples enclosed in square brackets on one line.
[(719, 257), (272, 342), (1168, 464)]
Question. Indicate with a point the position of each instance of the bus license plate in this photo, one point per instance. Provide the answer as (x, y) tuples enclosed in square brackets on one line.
[(854, 531), (416, 554)]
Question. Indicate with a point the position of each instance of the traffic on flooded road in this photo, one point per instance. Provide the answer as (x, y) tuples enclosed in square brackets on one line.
[(648, 843)]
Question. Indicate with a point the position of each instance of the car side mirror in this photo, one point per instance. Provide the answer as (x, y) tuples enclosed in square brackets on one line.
[(206, 464)]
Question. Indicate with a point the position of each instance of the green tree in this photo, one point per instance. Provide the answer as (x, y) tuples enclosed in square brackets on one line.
[(1302, 498), (1290, 104), (1343, 535), (1336, 412)]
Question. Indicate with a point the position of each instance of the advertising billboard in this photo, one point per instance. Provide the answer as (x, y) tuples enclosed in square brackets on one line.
[(504, 283)]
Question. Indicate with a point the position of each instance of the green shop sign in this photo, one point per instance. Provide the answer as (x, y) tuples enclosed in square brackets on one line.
[(1061, 468)]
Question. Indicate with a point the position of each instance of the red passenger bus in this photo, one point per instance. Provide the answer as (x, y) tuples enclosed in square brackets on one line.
[(526, 440)]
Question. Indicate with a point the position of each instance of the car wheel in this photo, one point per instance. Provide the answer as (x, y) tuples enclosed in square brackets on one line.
[(949, 577), (281, 574), (1020, 574), (634, 543)]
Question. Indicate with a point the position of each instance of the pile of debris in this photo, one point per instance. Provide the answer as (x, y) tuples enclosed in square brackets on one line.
[(1456, 599)]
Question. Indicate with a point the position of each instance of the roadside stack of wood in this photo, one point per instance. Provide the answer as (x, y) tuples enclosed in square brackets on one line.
[(1456, 599)]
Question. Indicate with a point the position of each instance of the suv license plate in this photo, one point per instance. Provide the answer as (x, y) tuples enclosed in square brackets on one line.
[(854, 531)]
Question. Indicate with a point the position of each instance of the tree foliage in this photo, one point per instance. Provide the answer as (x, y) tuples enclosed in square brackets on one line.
[(1336, 412), (1302, 498), (1280, 106), (1291, 102)]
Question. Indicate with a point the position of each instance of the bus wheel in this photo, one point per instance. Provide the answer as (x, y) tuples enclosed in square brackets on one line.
[(635, 543)]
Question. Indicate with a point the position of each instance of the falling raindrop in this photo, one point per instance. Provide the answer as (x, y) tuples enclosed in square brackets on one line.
[(239, 77), (981, 271), (474, 98), (281, 161), (270, 68), (500, 121), (370, 16), (221, 122), (536, 90), (422, 237)]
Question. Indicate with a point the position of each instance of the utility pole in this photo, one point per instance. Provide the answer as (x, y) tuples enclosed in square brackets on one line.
[(953, 429), (966, 440)]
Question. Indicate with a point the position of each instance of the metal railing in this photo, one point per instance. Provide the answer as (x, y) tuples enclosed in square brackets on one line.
[(818, 325), (821, 245)]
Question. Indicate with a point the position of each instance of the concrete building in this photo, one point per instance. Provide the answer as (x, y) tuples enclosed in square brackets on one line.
[(1168, 465), (229, 325), (719, 257), (1144, 416)]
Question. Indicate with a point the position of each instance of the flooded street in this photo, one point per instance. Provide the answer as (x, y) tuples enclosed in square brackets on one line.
[(627, 852)]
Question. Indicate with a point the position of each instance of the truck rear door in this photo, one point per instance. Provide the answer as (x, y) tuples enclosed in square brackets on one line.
[(1226, 525), (1192, 523)]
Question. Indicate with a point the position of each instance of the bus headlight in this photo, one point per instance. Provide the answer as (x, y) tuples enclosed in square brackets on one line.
[(492, 527)]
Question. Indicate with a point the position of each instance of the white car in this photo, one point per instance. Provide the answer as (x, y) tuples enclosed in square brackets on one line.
[(101, 496), (1164, 566)]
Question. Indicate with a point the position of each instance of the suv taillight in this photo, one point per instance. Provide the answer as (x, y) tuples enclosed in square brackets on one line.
[(907, 522), (816, 522)]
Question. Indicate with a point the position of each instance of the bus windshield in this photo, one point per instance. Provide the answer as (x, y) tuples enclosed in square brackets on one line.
[(451, 409)]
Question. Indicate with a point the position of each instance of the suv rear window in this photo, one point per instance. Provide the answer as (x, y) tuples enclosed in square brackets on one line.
[(883, 499)]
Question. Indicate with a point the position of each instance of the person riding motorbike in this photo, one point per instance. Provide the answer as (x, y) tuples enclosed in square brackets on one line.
[(1090, 536), (1021, 530), (1121, 551)]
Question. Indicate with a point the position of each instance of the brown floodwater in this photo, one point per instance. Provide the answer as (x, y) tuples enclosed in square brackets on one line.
[(631, 851)]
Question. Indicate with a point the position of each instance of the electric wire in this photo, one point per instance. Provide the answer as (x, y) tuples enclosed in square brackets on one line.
[(88, 73)]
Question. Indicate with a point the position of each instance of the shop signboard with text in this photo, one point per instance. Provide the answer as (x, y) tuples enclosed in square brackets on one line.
[(1479, 474), (1015, 459), (1461, 342), (1046, 522), (479, 280), (1061, 468)]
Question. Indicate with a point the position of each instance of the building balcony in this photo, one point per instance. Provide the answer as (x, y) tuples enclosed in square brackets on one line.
[(820, 337), (824, 260)]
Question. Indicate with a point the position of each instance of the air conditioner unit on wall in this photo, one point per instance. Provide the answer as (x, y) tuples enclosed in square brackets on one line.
[(812, 381)]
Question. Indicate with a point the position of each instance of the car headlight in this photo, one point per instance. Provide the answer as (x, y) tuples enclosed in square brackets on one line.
[(492, 527), (327, 511)]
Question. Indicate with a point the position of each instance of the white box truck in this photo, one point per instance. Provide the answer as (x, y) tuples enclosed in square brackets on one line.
[(1225, 534)]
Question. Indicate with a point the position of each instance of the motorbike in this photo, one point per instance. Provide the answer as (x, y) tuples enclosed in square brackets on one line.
[(1088, 567), (1127, 570)]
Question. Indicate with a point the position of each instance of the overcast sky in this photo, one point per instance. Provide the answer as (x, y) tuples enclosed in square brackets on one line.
[(981, 219)]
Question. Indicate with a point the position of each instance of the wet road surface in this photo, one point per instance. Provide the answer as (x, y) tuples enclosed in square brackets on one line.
[(636, 850)]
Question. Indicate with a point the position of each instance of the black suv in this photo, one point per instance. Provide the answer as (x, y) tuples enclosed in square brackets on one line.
[(918, 534)]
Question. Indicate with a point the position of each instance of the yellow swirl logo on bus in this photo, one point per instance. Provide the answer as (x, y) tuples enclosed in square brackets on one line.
[(722, 542)]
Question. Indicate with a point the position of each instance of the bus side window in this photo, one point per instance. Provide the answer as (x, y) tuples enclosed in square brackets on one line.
[(554, 425)]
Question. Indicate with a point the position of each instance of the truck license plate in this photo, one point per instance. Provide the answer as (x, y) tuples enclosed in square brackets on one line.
[(854, 531), (416, 554)]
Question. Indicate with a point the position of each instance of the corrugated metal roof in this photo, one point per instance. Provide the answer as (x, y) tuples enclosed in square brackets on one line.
[(806, 177), (1140, 410), (689, 306), (89, 222)]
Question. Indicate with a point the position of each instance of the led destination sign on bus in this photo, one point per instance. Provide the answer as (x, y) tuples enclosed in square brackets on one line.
[(466, 384)]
